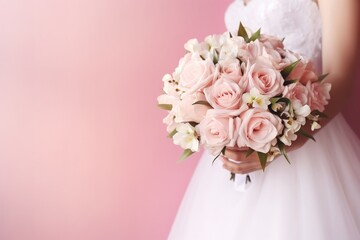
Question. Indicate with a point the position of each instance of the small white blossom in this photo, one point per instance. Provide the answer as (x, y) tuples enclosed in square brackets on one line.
[(288, 136), (171, 86), (255, 99), (301, 111), (315, 126), (293, 124), (185, 136), (278, 107), (274, 151), (194, 46), (229, 50)]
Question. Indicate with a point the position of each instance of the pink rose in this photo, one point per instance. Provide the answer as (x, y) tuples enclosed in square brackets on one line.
[(303, 72), (318, 96), (185, 111), (271, 41), (217, 130), (297, 91), (265, 78), (224, 94), (258, 129), (250, 51), (274, 56), (195, 73), (254, 50), (231, 69)]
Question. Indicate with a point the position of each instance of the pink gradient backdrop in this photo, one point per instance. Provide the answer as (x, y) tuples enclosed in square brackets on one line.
[(83, 152)]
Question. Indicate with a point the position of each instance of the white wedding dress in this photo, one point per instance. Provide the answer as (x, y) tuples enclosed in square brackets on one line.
[(316, 197)]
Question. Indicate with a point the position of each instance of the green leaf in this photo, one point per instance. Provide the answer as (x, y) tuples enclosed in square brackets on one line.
[(255, 36), (249, 152), (222, 152), (274, 99), (193, 124), (202, 103), (286, 71), (262, 158), (288, 82), (170, 135), (322, 77), (320, 114), (242, 33), (281, 146), (165, 106), (305, 134), (186, 154), (216, 57)]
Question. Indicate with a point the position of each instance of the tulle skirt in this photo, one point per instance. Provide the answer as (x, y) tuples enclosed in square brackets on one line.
[(316, 197)]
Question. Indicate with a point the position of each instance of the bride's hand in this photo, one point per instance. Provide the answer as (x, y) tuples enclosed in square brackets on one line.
[(242, 164)]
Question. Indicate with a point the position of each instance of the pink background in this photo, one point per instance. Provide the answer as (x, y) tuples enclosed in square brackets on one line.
[(83, 152)]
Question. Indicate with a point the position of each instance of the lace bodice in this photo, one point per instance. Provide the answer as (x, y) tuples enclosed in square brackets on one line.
[(298, 21)]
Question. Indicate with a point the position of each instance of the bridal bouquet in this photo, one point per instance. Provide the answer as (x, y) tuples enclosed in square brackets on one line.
[(242, 90)]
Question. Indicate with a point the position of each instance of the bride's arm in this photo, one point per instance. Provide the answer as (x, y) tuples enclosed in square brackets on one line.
[(340, 50)]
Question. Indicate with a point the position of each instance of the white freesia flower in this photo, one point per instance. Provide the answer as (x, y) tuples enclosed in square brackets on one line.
[(229, 50), (315, 126), (274, 151), (193, 46), (288, 136), (301, 111), (293, 124), (186, 137), (190, 45), (255, 99), (171, 86), (215, 41), (278, 107)]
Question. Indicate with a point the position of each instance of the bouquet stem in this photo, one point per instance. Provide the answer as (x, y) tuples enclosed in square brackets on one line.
[(247, 178)]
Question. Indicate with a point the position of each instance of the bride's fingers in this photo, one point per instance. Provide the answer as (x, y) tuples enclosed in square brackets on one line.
[(238, 154)]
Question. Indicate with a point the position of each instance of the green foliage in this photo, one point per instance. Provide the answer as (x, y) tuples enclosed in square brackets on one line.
[(305, 134), (286, 71), (263, 159), (281, 146), (203, 103), (242, 33), (187, 153), (165, 106)]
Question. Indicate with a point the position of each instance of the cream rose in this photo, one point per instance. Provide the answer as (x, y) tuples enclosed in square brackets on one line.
[(186, 111), (195, 73), (258, 129)]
